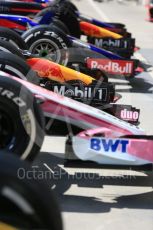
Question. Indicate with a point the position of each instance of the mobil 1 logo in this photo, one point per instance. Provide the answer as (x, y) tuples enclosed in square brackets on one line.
[(82, 93), (125, 43)]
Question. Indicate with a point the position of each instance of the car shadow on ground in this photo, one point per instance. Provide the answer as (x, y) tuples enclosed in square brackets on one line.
[(61, 181), (137, 85)]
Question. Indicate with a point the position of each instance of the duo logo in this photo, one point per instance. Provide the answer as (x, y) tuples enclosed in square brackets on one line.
[(109, 145)]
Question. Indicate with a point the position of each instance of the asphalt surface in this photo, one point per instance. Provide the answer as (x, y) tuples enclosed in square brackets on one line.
[(108, 198)]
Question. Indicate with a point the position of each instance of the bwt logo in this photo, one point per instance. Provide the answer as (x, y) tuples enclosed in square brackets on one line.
[(112, 67), (108, 145)]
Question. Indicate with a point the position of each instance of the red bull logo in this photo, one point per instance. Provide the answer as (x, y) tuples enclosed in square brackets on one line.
[(46, 69), (111, 66)]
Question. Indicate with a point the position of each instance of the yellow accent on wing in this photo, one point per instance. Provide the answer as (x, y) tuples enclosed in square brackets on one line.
[(56, 72), (4, 226), (96, 31)]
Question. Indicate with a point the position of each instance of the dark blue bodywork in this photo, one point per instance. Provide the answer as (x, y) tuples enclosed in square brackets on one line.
[(28, 23)]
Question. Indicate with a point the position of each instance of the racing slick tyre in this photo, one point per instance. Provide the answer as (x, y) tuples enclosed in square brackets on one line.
[(21, 120), (44, 11), (60, 25), (56, 22), (70, 19), (16, 66), (10, 48), (26, 201), (48, 42), (67, 16), (71, 6), (12, 37), (58, 179)]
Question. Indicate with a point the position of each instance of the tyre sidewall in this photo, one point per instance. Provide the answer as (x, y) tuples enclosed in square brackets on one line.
[(21, 108), (53, 35)]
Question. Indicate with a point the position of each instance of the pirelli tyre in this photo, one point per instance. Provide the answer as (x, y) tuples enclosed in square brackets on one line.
[(16, 66), (56, 22), (67, 16), (21, 120), (71, 6), (48, 42), (26, 201), (70, 19), (12, 37), (10, 48), (60, 25)]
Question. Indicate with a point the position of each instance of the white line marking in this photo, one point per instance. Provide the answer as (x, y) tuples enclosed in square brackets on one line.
[(48, 168), (151, 73), (123, 87), (119, 80), (99, 11)]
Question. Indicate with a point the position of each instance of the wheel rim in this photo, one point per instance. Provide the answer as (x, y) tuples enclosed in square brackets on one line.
[(7, 137), (46, 48)]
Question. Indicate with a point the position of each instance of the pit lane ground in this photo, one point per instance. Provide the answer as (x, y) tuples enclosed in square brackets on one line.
[(108, 198)]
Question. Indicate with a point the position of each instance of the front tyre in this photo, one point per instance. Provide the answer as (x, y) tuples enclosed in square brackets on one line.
[(26, 201), (16, 66), (48, 42), (12, 37), (21, 120)]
